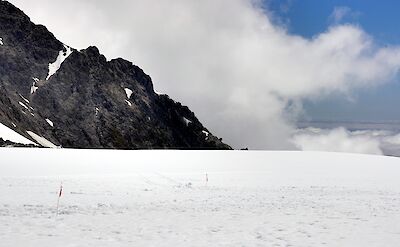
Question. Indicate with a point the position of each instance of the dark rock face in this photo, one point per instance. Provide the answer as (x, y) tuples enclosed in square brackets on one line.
[(8, 143), (85, 103)]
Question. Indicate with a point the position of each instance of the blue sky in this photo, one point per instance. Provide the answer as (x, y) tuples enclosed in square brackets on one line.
[(379, 19)]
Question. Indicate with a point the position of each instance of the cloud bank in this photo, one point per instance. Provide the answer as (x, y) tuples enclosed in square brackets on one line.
[(336, 140), (342, 140), (225, 59)]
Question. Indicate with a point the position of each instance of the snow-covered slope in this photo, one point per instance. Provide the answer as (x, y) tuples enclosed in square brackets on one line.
[(8, 134), (162, 198)]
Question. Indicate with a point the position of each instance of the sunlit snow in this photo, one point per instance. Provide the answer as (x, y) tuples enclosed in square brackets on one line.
[(128, 102), (10, 135), (198, 198), (34, 88), (128, 93), (25, 99), (23, 105), (50, 122), (55, 66), (41, 140)]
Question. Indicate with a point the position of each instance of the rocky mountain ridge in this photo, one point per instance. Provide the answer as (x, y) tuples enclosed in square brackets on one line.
[(55, 95)]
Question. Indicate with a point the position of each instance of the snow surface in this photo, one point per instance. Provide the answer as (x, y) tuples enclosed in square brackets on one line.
[(161, 198), (50, 122), (205, 132), (55, 66), (128, 93), (10, 135), (41, 140), (1, 41)]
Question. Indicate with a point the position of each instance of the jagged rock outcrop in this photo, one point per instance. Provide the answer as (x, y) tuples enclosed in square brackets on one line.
[(78, 99)]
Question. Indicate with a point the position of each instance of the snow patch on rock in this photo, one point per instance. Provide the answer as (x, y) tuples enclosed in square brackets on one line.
[(41, 140), (187, 121), (50, 122), (26, 100), (23, 105), (1, 41), (55, 66), (34, 88), (10, 135), (128, 92), (129, 103)]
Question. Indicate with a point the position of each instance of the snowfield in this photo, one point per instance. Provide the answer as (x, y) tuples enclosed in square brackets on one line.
[(162, 198)]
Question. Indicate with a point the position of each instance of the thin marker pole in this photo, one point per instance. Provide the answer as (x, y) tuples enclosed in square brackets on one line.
[(59, 196)]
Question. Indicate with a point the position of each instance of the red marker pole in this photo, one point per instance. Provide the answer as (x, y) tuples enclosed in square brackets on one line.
[(59, 196)]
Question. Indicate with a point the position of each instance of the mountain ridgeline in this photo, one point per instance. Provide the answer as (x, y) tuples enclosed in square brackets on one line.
[(52, 93)]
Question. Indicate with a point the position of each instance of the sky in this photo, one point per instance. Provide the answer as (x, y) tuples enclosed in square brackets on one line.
[(249, 69), (378, 18)]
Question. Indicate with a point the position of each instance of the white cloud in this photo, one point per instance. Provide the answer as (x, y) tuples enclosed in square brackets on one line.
[(342, 13), (339, 13), (336, 140), (224, 58), (342, 140)]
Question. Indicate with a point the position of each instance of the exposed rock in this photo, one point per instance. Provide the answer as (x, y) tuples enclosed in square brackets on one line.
[(85, 100)]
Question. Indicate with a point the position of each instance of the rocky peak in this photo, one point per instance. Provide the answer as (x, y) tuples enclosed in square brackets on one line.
[(78, 99)]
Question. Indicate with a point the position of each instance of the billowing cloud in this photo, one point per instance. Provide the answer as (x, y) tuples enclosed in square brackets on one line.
[(342, 140), (336, 140), (225, 59)]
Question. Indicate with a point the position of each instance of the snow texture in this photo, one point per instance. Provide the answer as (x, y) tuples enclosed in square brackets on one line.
[(10, 135), (41, 140), (1, 41), (205, 132), (128, 93), (162, 198), (55, 66), (50, 122)]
